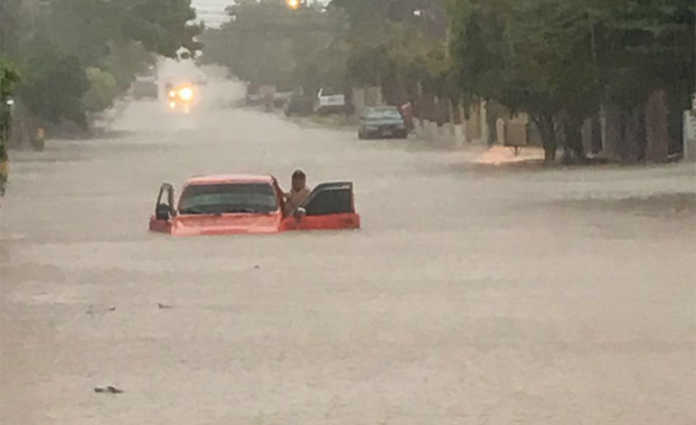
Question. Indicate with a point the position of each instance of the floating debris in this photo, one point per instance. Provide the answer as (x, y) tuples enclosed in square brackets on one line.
[(91, 310), (108, 390)]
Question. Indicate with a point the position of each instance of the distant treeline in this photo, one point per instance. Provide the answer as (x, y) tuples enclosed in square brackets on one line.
[(566, 63), (74, 57)]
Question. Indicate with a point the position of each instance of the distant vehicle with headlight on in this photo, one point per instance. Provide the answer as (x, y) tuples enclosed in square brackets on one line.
[(181, 97)]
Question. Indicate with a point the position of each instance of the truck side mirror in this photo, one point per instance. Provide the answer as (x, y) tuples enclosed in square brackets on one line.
[(163, 212)]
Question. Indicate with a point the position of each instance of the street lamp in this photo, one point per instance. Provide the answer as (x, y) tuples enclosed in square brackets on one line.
[(293, 4)]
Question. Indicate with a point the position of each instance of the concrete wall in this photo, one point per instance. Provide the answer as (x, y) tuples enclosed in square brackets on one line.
[(446, 135)]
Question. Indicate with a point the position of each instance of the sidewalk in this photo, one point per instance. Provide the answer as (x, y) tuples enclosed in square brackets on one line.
[(499, 155)]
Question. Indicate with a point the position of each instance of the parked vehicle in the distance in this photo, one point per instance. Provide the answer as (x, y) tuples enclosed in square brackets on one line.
[(281, 98), (382, 122), (330, 101), (145, 87), (253, 95), (299, 104)]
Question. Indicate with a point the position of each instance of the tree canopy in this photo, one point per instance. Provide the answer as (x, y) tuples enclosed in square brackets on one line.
[(9, 78), (61, 40), (347, 43), (266, 42), (560, 60)]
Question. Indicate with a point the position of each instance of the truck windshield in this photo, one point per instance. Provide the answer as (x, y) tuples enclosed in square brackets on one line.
[(228, 198)]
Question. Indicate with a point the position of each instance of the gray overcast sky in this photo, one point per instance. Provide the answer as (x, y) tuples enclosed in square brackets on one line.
[(213, 11)]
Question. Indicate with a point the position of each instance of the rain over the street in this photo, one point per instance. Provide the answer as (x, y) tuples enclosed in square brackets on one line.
[(472, 294), (507, 235)]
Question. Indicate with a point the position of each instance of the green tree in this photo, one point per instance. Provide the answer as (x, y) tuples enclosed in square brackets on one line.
[(125, 60), (102, 90), (55, 42), (534, 57), (560, 60), (16, 21), (642, 48), (398, 45), (266, 42), (90, 28), (9, 78), (54, 85)]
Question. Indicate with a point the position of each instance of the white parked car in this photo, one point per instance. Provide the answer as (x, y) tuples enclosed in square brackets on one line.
[(329, 100)]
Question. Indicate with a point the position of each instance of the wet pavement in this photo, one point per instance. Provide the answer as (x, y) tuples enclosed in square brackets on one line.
[(473, 294)]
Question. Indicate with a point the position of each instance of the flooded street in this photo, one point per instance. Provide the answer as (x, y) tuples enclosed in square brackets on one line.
[(473, 294)]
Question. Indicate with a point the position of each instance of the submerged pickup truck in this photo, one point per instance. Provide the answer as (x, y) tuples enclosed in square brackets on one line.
[(234, 204)]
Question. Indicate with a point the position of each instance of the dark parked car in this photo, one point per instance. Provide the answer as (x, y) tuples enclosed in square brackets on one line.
[(382, 121), (145, 87), (253, 94), (299, 104)]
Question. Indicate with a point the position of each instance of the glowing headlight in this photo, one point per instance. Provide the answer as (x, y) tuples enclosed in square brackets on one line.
[(186, 93), (172, 93), (172, 105)]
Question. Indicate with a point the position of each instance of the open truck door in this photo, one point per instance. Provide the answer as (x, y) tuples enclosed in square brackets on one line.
[(330, 206), (161, 220)]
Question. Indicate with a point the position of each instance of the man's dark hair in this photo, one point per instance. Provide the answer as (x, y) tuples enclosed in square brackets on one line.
[(299, 174)]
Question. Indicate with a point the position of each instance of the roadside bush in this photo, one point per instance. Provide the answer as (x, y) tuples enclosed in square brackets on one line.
[(102, 90), (54, 86)]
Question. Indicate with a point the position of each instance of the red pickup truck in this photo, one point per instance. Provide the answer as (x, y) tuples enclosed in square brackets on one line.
[(233, 204)]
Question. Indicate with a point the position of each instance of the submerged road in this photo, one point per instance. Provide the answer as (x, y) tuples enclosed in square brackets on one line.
[(473, 294)]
